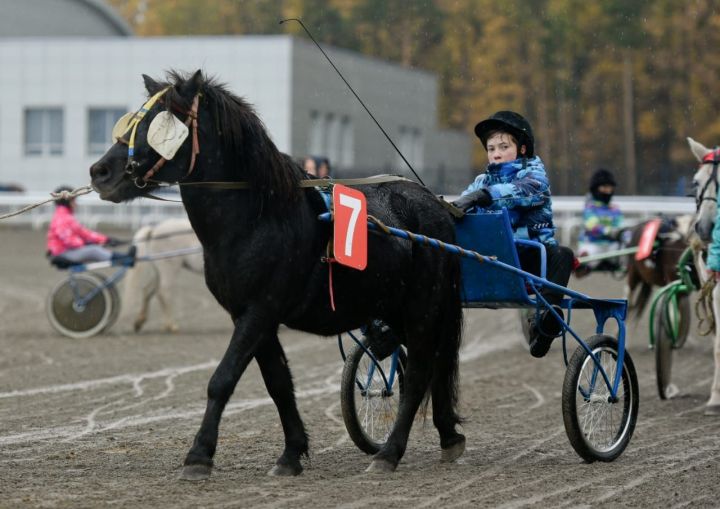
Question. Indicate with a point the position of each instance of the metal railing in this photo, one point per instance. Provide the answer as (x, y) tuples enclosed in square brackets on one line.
[(94, 212)]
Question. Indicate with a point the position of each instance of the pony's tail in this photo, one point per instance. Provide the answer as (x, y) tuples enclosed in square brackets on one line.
[(445, 378)]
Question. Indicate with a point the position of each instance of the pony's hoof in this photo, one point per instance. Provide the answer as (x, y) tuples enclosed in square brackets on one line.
[(137, 326), (713, 410), (380, 466), (195, 472), (172, 328), (285, 470), (453, 452)]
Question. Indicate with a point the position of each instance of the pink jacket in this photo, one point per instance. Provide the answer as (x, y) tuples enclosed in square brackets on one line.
[(66, 233)]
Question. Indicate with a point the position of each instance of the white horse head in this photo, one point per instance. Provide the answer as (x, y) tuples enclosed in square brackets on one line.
[(705, 184)]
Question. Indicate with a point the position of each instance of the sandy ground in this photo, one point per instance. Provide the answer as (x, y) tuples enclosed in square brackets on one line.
[(107, 421)]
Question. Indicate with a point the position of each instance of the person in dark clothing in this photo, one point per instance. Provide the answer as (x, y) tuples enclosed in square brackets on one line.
[(515, 179)]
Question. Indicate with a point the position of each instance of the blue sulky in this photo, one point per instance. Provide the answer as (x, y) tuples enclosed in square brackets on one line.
[(87, 302), (495, 280)]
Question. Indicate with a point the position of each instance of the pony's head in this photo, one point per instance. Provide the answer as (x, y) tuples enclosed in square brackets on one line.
[(705, 185), (191, 129), (154, 144)]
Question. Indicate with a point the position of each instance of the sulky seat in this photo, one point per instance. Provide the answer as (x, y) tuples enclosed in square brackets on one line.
[(484, 286)]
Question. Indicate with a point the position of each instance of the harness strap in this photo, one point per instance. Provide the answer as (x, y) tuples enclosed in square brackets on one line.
[(324, 182)]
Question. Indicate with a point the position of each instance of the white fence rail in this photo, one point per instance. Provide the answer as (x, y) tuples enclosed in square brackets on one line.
[(94, 212)]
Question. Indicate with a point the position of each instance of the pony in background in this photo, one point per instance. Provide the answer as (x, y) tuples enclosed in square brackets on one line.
[(659, 269), (157, 278), (705, 183)]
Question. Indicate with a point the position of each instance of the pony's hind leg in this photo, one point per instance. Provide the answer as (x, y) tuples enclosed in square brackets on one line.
[(149, 289), (278, 381), (417, 381), (249, 333), (168, 270), (445, 417), (444, 383)]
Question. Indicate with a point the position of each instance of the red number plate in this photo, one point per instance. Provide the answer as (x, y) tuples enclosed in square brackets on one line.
[(647, 239), (350, 227)]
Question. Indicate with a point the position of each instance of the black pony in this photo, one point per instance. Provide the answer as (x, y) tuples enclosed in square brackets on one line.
[(264, 263)]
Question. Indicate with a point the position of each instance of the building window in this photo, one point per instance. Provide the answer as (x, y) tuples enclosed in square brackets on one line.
[(347, 143), (410, 144), (44, 131), (332, 138), (316, 143), (100, 124)]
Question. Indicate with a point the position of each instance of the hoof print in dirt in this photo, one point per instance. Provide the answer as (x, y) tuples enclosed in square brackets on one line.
[(195, 473), (379, 466), (285, 471)]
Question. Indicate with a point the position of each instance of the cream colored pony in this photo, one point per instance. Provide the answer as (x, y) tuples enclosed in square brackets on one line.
[(706, 185), (156, 278)]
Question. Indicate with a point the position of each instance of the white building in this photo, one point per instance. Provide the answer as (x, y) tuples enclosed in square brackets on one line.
[(61, 95)]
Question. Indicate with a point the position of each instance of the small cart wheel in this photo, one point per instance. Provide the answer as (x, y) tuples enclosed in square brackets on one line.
[(664, 345), (684, 315), (79, 306), (114, 299), (599, 428), (369, 409)]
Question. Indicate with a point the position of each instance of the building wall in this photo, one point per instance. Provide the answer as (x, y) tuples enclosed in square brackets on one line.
[(286, 79), (50, 18), (78, 73)]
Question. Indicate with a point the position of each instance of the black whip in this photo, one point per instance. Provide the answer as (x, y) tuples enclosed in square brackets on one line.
[(356, 96)]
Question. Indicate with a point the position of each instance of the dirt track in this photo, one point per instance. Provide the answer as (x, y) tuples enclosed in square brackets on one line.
[(108, 420)]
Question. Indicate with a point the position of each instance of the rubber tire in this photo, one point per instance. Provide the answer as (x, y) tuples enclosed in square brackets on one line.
[(685, 319), (629, 385), (349, 390), (115, 300), (663, 349), (64, 319)]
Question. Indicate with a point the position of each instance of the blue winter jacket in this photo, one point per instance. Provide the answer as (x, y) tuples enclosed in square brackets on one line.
[(713, 257), (522, 187)]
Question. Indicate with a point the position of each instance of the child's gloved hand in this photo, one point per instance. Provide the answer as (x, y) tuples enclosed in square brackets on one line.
[(480, 198)]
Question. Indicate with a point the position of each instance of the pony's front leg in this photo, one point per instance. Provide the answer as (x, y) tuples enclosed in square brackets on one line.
[(248, 334), (713, 404), (278, 380)]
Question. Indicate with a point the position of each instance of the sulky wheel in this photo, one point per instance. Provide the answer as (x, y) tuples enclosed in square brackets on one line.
[(599, 428), (79, 306), (665, 319), (684, 317), (369, 406), (116, 303)]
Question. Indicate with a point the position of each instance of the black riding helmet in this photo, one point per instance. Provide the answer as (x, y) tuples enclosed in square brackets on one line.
[(602, 177), (60, 189), (513, 123)]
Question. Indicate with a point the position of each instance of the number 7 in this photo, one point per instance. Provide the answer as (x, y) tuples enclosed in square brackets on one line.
[(355, 205)]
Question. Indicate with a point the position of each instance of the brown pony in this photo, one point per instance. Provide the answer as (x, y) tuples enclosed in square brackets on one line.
[(661, 267)]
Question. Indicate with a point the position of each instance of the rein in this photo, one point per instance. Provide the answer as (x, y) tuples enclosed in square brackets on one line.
[(712, 157)]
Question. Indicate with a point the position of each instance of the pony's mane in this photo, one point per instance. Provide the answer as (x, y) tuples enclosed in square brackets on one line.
[(244, 138)]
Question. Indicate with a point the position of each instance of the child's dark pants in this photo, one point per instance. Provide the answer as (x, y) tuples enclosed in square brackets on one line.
[(558, 270)]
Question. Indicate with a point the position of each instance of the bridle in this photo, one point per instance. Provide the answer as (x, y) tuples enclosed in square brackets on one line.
[(132, 165), (714, 158)]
